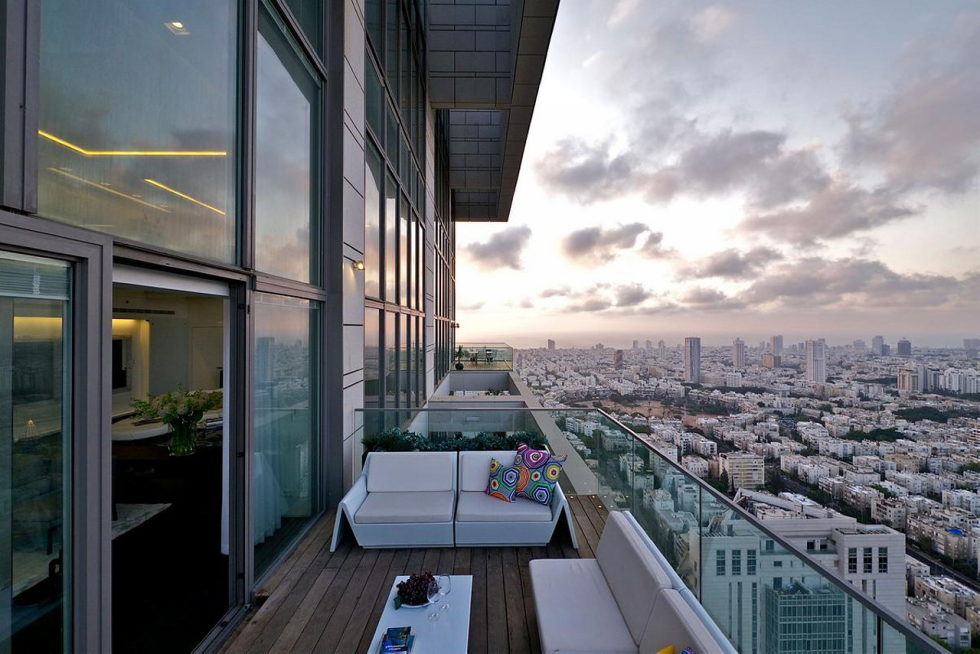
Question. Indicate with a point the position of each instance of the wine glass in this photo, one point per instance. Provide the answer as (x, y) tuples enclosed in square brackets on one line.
[(445, 587), (434, 596)]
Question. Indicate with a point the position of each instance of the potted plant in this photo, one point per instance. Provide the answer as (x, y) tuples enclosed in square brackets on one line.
[(181, 411), (459, 357)]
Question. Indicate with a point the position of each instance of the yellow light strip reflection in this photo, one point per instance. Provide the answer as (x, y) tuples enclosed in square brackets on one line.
[(130, 153), (184, 195), (109, 190)]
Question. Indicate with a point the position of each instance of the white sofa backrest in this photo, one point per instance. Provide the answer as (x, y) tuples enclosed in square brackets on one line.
[(474, 467), (634, 576), (411, 471), (674, 622)]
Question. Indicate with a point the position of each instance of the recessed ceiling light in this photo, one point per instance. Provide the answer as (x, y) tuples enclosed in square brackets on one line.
[(176, 27)]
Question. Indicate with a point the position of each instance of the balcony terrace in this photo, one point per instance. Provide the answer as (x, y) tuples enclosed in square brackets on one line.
[(318, 601), (764, 593)]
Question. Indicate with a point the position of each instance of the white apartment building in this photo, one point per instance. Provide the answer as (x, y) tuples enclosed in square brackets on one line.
[(816, 361), (744, 470)]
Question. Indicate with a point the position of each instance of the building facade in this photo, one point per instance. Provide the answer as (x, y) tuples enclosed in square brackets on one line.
[(692, 359), (816, 361), (244, 210)]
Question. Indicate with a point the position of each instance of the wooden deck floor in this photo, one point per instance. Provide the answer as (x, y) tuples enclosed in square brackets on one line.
[(320, 601)]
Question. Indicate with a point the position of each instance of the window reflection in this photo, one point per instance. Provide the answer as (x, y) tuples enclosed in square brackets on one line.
[(137, 121), (34, 369), (372, 223), (283, 483), (284, 158)]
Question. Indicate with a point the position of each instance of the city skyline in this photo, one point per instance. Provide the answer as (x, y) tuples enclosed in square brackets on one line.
[(728, 190)]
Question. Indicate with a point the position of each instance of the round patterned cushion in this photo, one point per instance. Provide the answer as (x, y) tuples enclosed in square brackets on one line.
[(503, 481), (543, 470)]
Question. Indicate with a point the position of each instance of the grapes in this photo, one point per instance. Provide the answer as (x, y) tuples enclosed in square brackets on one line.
[(415, 590)]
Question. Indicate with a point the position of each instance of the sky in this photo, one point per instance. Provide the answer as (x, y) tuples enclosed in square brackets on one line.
[(741, 169)]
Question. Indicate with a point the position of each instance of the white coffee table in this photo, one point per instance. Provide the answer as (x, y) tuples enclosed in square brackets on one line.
[(450, 634)]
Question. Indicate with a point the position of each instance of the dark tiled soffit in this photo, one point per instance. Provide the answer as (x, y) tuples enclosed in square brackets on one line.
[(485, 61)]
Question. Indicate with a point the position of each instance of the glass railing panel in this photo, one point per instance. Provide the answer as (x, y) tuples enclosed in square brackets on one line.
[(763, 593), (483, 356)]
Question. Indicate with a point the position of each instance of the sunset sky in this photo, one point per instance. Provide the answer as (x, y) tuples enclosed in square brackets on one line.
[(742, 169)]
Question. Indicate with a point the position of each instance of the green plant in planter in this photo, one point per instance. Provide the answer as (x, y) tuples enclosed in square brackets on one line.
[(398, 440), (393, 440)]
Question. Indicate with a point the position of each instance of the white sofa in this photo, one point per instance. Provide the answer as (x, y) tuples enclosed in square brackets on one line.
[(482, 520), (401, 499), (623, 601)]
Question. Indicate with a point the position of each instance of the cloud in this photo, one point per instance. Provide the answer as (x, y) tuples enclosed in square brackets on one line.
[(732, 264), (926, 132), (585, 172), (630, 295), (555, 292), (595, 244), (653, 247), (475, 306), (834, 212), (711, 22), (502, 250), (621, 11), (857, 283)]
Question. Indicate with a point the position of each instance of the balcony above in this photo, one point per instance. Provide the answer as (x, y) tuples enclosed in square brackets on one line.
[(485, 60)]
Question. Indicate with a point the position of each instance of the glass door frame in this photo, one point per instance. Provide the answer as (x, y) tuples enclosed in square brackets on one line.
[(89, 485)]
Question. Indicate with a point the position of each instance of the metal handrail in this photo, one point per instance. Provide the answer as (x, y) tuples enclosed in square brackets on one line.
[(882, 613)]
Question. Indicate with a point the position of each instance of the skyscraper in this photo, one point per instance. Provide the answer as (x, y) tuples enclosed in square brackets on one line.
[(692, 359), (661, 349), (551, 344), (904, 348), (618, 359), (878, 345), (738, 353), (649, 344), (776, 345), (816, 361), (636, 345)]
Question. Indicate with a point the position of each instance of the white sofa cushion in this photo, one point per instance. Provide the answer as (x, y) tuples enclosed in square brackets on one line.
[(411, 471), (674, 622), (474, 468), (406, 507), (576, 610), (633, 574), (477, 506)]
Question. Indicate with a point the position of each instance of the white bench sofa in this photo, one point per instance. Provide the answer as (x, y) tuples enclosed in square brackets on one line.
[(401, 499), (621, 602), (482, 520)]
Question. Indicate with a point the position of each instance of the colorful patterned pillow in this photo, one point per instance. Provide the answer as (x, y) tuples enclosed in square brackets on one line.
[(542, 471), (503, 480)]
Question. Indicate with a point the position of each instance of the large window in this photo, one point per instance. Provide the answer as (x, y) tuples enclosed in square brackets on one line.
[(286, 420), (285, 158), (137, 121), (34, 372), (394, 233)]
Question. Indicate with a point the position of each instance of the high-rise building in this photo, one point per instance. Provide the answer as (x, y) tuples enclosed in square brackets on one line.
[(878, 345), (636, 345), (859, 345), (816, 361), (551, 344), (661, 349), (618, 359), (776, 345), (599, 346), (649, 344), (904, 348), (738, 354), (692, 359), (771, 361)]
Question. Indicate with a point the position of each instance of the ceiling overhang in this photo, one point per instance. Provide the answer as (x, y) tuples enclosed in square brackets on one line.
[(485, 60)]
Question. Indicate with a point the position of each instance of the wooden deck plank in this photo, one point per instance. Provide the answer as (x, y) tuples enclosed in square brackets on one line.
[(331, 602), (496, 609), (478, 603), (398, 566), (516, 627)]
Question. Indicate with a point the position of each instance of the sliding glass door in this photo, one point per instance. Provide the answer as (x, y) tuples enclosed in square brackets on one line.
[(35, 410)]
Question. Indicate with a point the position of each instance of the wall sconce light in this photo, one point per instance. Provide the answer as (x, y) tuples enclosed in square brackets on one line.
[(358, 265)]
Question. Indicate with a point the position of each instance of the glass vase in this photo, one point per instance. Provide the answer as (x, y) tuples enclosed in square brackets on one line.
[(183, 439)]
